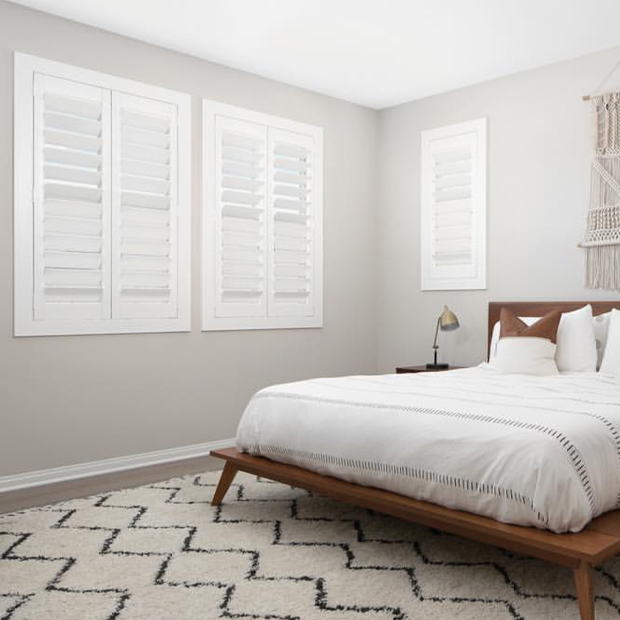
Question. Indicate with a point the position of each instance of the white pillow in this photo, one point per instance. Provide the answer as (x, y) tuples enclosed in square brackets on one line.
[(601, 329), (525, 355), (576, 341), (611, 358), (576, 350)]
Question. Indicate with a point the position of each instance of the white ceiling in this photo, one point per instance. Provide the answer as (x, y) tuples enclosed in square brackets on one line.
[(374, 52)]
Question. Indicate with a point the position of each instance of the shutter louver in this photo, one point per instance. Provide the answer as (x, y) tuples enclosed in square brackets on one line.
[(144, 208), (453, 205), (71, 200), (240, 220), (291, 222)]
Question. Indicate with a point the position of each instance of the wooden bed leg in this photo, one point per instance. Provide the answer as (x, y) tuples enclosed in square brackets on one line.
[(228, 475), (585, 592)]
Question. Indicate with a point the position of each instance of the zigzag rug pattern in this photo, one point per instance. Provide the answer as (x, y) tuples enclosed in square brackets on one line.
[(161, 552)]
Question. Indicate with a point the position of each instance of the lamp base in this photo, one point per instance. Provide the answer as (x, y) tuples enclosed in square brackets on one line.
[(436, 366)]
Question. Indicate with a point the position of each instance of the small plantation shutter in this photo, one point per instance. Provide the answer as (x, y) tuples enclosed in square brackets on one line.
[(453, 205), (144, 208), (291, 221), (71, 200), (240, 218)]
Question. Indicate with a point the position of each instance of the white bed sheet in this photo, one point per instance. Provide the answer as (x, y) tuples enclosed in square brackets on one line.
[(539, 451)]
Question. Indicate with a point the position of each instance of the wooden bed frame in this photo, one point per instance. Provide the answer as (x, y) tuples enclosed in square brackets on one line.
[(581, 552)]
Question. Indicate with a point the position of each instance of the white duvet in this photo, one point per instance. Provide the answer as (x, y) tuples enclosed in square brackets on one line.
[(540, 451)]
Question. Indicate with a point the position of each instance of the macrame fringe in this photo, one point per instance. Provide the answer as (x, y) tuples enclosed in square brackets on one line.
[(603, 267)]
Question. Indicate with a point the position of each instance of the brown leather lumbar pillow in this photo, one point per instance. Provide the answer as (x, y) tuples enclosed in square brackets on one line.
[(546, 327)]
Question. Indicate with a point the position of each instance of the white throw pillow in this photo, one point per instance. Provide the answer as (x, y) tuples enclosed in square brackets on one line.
[(577, 343), (576, 350), (611, 358), (528, 320), (494, 341), (525, 355), (601, 329)]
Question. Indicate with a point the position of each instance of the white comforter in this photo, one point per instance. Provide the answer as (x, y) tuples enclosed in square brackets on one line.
[(541, 451)]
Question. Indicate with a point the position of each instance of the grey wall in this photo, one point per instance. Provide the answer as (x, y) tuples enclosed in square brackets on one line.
[(73, 399), (538, 176)]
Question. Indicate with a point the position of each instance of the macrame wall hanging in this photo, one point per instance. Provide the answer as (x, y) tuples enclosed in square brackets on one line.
[(602, 239)]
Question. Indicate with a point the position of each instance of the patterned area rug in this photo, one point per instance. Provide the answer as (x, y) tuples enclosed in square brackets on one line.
[(160, 552)]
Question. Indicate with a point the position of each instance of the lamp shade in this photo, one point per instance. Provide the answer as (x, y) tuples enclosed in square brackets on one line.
[(448, 320)]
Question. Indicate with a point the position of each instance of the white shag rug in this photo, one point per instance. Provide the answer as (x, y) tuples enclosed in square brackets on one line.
[(161, 552)]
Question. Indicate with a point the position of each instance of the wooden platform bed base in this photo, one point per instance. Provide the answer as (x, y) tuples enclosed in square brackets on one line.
[(581, 552)]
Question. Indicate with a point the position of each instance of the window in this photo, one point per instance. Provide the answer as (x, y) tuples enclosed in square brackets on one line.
[(101, 203), (263, 203), (453, 207)]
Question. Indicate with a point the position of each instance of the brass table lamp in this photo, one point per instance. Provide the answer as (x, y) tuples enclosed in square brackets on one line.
[(447, 322)]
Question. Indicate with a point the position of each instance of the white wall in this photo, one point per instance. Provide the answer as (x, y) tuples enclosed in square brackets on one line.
[(538, 189), (66, 400)]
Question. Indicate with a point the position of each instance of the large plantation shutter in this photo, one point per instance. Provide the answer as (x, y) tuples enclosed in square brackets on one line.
[(291, 218), (262, 240), (453, 207), (102, 203), (71, 200), (144, 208), (240, 242)]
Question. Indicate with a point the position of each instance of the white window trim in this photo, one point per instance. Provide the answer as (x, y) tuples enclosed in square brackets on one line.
[(478, 281), (25, 67), (209, 322)]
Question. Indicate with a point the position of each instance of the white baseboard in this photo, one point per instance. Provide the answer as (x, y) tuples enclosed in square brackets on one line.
[(107, 466)]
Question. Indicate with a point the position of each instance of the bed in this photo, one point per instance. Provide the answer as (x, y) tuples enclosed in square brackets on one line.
[(484, 455)]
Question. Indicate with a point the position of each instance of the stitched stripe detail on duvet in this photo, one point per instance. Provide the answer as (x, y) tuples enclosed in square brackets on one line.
[(571, 450), (407, 471), (609, 425)]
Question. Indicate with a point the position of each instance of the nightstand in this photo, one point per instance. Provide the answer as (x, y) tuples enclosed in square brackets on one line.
[(403, 369)]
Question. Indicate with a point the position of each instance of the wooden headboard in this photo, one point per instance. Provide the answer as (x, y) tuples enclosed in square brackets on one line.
[(540, 308)]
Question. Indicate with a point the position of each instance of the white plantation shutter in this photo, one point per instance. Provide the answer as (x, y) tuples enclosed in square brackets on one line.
[(101, 203), (262, 241), (453, 207), (144, 208), (71, 200), (240, 242), (291, 218)]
